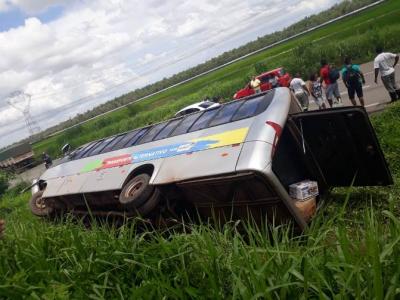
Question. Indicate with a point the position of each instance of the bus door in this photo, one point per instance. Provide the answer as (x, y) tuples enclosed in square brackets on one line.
[(343, 144)]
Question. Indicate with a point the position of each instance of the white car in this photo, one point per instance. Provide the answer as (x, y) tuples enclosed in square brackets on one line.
[(203, 105)]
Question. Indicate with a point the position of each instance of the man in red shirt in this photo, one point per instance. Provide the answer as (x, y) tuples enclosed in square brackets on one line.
[(331, 85)]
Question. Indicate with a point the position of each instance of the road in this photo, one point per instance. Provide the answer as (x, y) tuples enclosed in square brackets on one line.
[(376, 98), (375, 95)]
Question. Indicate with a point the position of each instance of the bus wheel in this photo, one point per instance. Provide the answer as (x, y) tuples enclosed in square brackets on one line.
[(136, 191), (150, 204), (38, 205)]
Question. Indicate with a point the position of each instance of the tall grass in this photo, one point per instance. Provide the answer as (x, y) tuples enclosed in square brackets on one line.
[(330, 260)]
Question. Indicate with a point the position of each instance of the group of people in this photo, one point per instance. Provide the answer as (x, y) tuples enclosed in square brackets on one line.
[(353, 79)]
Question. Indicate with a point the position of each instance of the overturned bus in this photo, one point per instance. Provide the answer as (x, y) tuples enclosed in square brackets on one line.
[(230, 162)]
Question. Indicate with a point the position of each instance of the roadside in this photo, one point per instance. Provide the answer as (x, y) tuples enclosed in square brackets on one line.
[(375, 95)]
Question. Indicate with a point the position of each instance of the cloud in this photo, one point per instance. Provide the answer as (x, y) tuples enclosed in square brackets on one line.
[(31, 7)]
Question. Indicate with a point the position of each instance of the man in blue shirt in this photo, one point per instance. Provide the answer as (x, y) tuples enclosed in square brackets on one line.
[(353, 78)]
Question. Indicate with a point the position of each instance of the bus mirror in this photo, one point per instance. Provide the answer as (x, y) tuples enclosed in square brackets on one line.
[(65, 149)]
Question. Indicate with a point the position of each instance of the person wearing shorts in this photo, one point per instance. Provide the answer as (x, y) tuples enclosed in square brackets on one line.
[(299, 88), (384, 63), (353, 79), (331, 85), (315, 89)]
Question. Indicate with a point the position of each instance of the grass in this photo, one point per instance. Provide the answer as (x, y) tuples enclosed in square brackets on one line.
[(350, 251), (355, 36)]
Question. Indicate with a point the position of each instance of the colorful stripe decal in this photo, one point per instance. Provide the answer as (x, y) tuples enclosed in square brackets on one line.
[(231, 137)]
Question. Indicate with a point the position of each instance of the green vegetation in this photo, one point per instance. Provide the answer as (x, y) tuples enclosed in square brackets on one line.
[(351, 251), (4, 178), (356, 36)]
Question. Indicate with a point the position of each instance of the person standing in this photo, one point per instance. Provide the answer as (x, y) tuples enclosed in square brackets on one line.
[(255, 84), (315, 89), (47, 160), (353, 79), (385, 62), (329, 75), (299, 88)]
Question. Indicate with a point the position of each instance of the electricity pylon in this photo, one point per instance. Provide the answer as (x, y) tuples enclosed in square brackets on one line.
[(22, 102)]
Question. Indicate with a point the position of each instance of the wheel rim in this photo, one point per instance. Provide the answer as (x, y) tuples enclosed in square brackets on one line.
[(40, 203), (133, 189)]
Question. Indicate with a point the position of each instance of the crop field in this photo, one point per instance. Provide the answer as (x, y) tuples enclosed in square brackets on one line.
[(355, 36), (350, 251)]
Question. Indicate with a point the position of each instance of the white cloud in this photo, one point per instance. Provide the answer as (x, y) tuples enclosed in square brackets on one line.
[(31, 7), (97, 50)]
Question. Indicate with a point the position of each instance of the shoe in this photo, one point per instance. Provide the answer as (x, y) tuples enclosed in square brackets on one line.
[(393, 96), (398, 94)]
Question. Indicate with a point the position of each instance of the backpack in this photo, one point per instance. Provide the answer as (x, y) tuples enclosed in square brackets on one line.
[(352, 76), (333, 75)]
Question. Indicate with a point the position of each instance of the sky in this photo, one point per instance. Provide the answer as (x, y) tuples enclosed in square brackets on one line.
[(68, 56)]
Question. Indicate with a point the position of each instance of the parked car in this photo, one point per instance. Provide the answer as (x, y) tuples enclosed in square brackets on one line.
[(269, 80), (203, 105)]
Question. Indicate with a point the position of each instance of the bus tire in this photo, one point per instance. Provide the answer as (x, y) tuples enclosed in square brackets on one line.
[(38, 205), (150, 204), (136, 191)]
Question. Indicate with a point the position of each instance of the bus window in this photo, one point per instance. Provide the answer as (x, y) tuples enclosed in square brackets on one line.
[(248, 109), (148, 137), (88, 149), (203, 121), (111, 145), (100, 146), (167, 129), (126, 138), (137, 138), (80, 151), (225, 113), (186, 123)]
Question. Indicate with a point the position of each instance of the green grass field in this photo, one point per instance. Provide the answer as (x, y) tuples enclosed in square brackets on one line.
[(379, 24), (350, 251)]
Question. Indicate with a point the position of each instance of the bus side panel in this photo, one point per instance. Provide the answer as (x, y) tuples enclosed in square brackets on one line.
[(53, 186), (106, 179), (72, 184), (198, 164)]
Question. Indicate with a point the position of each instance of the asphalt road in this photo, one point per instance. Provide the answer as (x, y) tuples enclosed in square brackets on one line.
[(375, 95)]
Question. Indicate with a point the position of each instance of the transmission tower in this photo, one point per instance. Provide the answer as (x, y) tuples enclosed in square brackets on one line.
[(22, 102)]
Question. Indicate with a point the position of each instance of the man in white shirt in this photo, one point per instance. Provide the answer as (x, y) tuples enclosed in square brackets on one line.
[(299, 88), (385, 63), (255, 84)]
